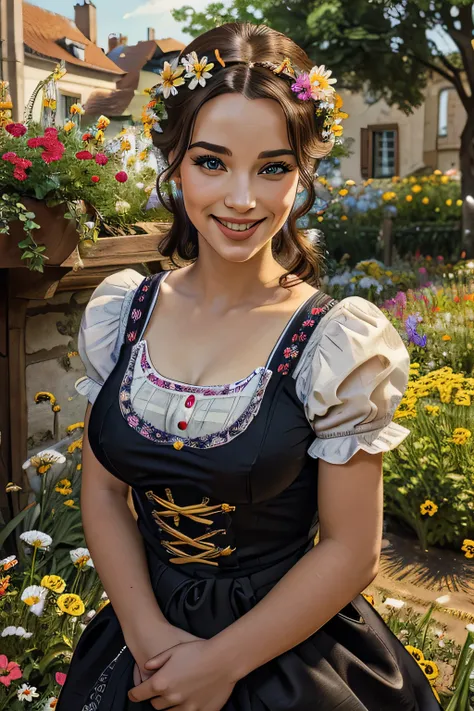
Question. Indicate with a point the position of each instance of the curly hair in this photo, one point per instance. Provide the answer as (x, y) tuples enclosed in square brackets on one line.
[(240, 44)]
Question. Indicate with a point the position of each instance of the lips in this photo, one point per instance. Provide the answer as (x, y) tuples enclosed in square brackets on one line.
[(239, 234), (243, 223)]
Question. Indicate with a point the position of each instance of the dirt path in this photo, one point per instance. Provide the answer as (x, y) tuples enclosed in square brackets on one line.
[(418, 578)]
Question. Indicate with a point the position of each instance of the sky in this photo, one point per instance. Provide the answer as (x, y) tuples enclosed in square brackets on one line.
[(130, 17)]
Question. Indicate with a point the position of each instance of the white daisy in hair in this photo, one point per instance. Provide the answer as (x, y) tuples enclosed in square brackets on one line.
[(35, 597), (198, 69), (37, 539), (169, 78), (81, 558), (27, 693), (321, 84)]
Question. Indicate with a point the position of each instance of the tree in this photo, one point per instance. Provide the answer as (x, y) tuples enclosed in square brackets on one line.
[(383, 46)]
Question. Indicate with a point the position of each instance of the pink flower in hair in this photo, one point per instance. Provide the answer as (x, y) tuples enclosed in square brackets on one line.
[(302, 87)]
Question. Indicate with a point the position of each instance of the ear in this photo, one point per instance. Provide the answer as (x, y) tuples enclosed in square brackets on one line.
[(177, 174)]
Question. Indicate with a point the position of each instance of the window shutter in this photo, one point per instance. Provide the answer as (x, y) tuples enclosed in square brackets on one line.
[(364, 152)]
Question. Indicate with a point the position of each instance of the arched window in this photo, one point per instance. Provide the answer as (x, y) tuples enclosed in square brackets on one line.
[(443, 99)]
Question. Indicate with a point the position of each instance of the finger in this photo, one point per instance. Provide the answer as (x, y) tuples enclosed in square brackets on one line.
[(161, 704), (146, 690), (158, 661)]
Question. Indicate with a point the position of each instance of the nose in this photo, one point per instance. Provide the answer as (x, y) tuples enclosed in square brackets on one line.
[(240, 195)]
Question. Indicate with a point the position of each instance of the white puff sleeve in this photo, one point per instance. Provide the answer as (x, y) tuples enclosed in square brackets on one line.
[(102, 329), (351, 379)]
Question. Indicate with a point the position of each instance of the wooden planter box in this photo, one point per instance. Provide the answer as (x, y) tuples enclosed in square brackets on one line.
[(58, 235)]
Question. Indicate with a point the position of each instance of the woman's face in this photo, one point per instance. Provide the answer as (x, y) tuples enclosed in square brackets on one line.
[(239, 175)]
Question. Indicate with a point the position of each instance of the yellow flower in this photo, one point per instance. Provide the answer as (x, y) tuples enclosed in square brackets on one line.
[(449, 202), (344, 217), (76, 109), (415, 653), (320, 218), (444, 179), (417, 188), (337, 129), (462, 398), (425, 201), (468, 548), (432, 410), (75, 426), (458, 203), (102, 123), (54, 582), (49, 104), (125, 145), (438, 172), (369, 598), (142, 155), (79, 467), (343, 192), (71, 604), (169, 79), (429, 507), (99, 136), (350, 182), (446, 337), (68, 126), (77, 444), (131, 161), (389, 195), (69, 502), (461, 435), (430, 669), (56, 408), (44, 396), (409, 198)]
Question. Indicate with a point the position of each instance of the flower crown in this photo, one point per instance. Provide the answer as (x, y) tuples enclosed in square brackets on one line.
[(315, 85)]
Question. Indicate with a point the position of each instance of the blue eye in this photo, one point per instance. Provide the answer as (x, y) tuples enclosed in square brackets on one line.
[(285, 168), (211, 163)]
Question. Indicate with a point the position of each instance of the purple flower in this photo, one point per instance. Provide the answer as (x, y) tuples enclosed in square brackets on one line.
[(413, 335), (302, 87)]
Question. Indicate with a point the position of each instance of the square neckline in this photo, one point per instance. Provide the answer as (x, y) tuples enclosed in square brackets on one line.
[(259, 370)]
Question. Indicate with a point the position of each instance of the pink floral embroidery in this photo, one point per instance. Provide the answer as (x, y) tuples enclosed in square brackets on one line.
[(316, 311), (136, 314), (303, 337), (141, 298), (133, 420), (131, 336), (294, 337), (308, 323), (283, 368)]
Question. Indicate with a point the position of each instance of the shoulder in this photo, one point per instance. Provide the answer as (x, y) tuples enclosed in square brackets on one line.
[(102, 328)]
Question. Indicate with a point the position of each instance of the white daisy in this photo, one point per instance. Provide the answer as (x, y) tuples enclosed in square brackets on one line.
[(44, 460), (169, 78), (321, 89), (37, 539), (27, 693), (51, 704), (198, 69), (81, 557), (18, 631), (35, 597)]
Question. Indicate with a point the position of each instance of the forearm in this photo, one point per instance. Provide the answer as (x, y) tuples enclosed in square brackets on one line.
[(119, 557), (315, 589)]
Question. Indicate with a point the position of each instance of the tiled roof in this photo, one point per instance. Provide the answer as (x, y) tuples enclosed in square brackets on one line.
[(111, 103), (43, 30)]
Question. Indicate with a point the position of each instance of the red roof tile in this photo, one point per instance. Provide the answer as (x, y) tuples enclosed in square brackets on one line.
[(43, 29)]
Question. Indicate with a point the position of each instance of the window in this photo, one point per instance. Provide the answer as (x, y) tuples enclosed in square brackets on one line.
[(379, 151), (65, 103), (443, 100)]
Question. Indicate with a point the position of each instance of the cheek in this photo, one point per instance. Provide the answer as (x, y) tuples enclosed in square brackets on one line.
[(198, 191)]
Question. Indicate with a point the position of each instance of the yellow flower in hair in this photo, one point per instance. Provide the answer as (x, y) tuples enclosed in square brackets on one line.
[(337, 129), (198, 69), (285, 66), (169, 78), (219, 58)]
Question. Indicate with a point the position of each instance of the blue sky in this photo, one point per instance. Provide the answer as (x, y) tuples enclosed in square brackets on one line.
[(130, 17)]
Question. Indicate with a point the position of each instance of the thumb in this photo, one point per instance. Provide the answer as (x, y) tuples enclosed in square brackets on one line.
[(159, 660)]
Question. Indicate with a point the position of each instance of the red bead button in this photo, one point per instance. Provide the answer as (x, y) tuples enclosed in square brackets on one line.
[(190, 401), (182, 425)]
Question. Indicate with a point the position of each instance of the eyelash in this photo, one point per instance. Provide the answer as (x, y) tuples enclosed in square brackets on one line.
[(200, 160)]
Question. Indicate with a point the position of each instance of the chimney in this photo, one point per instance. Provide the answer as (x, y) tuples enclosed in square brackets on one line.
[(151, 33), (113, 42), (86, 19)]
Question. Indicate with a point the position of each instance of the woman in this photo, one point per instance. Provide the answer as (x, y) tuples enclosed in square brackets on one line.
[(219, 598)]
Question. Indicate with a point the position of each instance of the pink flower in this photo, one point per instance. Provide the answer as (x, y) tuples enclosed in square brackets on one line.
[(23, 163), (84, 155), (51, 131), (19, 174), (101, 159), (302, 87), (10, 157), (34, 142), (60, 678), (422, 270), (17, 130), (9, 671), (121, 176)]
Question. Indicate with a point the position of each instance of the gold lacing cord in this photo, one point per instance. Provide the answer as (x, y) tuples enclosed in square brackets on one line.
[(208, 549)]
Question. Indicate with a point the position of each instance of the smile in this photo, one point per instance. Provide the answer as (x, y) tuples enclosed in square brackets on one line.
[(240, 226)]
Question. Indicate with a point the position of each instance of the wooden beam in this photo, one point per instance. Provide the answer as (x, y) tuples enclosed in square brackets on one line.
[(120, 251)]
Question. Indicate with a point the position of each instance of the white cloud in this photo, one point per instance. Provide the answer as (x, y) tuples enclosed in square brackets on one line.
[(158, 7)]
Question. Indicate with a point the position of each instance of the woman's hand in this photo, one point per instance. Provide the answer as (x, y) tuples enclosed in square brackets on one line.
[(186, 676)]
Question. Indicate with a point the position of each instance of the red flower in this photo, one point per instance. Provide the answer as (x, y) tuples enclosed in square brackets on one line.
[(101, 159), (95, 179), (19, 174), (87, 137), (84, 155), (34, 142), (23, 163), (16, 129), (54, 149), (9, 671), (10, 157), (51, 131), (60, 678), (121, 176)]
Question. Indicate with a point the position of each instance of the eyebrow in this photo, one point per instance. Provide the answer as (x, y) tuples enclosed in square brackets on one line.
[(225, 151)]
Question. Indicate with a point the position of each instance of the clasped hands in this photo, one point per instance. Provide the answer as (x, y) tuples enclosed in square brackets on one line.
[(185, 677)]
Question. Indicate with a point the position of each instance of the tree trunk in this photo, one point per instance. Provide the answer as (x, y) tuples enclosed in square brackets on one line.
[(466, 162)]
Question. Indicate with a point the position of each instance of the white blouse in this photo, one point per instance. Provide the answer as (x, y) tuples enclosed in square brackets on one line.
[(350, 378)]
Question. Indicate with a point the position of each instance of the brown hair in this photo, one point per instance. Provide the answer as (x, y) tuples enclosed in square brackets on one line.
[(239, 44)]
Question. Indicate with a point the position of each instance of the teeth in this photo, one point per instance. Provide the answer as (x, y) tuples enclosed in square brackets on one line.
[(238, 228)]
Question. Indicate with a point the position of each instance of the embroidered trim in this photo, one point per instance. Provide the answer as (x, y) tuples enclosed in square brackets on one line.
[(161, 382), (146, 429), (292, 352), (95, 696)]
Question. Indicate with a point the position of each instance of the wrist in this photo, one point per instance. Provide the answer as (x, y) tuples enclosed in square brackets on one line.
[(147, 640), (224, 653)]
